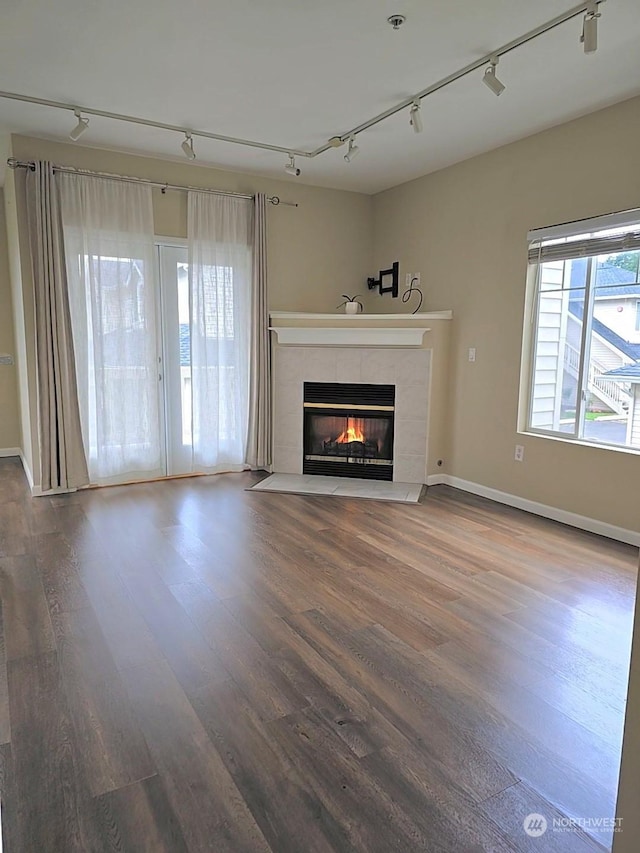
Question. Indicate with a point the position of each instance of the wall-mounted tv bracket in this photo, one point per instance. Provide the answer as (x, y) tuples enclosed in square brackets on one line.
[(386, 274)]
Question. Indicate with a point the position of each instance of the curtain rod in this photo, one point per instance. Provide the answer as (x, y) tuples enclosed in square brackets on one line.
[(13, 163)]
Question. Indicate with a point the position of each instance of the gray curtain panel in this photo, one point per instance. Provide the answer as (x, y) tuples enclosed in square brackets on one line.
[(259, 433), (62, 458)]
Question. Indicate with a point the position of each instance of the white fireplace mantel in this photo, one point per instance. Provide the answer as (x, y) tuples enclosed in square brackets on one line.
[(345, 336), (365, 330)]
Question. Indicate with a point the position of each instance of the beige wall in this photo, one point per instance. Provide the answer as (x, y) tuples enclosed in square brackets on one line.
[(23, 316), (317, 251), (464, 229), (19, 337), (9, 411)]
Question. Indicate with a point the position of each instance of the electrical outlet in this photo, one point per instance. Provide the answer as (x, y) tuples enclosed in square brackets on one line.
[(407, 279), (416, 279), (472, 353), (519, 453)]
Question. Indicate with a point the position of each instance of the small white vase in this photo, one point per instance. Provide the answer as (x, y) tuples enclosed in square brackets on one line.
[(351, 307)]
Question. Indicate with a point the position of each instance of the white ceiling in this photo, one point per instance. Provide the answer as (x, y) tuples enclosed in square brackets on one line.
[(295, 73)]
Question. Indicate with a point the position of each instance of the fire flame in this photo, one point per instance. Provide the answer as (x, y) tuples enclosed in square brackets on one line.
[(353, 432)]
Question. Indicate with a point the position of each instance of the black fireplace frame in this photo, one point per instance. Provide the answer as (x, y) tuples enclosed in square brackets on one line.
[(348, 400)]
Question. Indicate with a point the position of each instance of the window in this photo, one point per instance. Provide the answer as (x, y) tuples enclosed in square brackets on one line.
[(584, 381)]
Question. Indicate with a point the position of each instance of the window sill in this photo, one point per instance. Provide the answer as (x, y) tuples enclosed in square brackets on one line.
[(581, 442)]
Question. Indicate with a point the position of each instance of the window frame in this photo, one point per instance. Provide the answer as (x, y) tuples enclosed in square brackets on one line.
[(532, 322)]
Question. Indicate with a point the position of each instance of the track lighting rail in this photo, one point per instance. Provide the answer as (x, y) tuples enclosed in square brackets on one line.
[(589, 38), (582, 8), (205, 134)]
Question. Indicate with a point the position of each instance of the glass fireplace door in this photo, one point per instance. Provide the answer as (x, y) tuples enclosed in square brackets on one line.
[(348, 430), (351, 436)]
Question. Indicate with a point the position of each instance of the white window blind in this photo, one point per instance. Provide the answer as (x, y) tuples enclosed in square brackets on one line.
[(603, 235)]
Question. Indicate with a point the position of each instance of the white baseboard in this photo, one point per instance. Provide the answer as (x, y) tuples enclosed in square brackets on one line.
[(582, 522), (36, 491), (9, 451)]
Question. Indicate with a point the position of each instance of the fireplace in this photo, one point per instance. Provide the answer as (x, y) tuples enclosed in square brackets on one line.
[(348, 430)]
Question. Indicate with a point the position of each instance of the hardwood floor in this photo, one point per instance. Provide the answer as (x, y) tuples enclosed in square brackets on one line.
[(188, 666)]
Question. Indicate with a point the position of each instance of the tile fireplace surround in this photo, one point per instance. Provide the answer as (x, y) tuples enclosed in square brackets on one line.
[(408, 351)]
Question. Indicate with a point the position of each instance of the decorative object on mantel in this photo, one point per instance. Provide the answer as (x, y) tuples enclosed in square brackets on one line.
[(411, 291), (351, 304), (379, 282)]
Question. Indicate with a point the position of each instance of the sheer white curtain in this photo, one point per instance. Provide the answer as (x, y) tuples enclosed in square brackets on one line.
[(220, 231), (109, 249)]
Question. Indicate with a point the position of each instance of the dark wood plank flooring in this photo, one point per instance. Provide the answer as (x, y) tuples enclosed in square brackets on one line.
[(189, 666)]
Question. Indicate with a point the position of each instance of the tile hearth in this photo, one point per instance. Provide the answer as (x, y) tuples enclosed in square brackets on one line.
[(342, 487)]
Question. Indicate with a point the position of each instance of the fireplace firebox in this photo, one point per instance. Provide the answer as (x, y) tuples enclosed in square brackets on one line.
[(348, 430)]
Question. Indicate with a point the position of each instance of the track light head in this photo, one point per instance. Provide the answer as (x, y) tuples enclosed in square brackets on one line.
[(79, 129), (291, 168), (589, 37), (496, 86), (353, 150), (415, 116), (187, 146)]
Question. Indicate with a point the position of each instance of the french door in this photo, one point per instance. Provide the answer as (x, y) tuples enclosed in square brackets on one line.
[(175, 373), (161, 347)]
